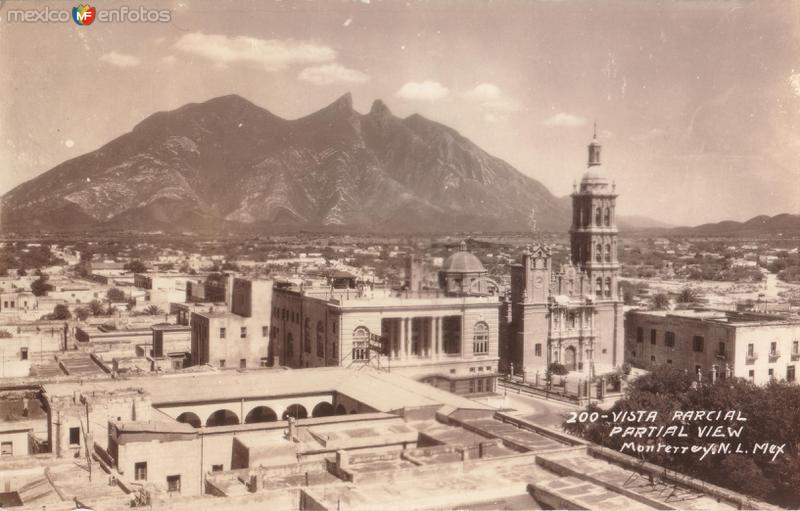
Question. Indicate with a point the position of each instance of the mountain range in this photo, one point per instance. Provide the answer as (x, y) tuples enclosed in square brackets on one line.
[(229, 164), (783, 224)]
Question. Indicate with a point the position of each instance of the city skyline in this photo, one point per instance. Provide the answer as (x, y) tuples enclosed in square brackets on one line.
[(682, 92)]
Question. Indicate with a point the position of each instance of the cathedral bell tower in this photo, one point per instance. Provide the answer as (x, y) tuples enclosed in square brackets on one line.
[(593, 236)]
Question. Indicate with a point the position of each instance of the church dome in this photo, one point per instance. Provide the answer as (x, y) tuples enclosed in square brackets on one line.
[(463, 262)]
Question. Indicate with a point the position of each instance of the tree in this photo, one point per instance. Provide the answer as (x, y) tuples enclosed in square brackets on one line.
[(687, 295), (557, 369), (153, 310), (5, 334), (40, 287), (96, 308), (661, 301), (82, 313), (136, 266), (61, 311), (115, 295)]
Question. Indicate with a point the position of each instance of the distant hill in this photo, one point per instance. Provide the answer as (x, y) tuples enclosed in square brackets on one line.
[(229, 164), (785, 224)]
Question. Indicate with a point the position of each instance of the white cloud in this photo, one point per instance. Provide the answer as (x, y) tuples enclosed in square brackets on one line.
[(423, 91), (794, 81), (120, 59), (483, 92), (271, 54), (492, 101), (327, 74), (564, 119)]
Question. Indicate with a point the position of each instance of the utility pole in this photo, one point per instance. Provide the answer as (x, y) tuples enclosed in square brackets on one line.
[(86, 439)]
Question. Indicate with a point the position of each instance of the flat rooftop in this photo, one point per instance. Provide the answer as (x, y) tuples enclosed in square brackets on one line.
[(379, 390), (722, 317)]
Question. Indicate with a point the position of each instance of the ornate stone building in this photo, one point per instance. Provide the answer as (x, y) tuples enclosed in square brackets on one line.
[(572, 315)]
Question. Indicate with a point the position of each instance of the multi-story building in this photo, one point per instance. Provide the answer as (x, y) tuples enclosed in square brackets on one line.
[(572, 316), (759, 347), (239, 338), (447, 337)]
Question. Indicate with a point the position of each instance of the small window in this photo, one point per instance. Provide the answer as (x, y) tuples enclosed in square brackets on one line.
[(222, 333), (174, 484), (242, 363), (264, 331), (23, 354), (751, 374), (538, 349), (243, 332), (652, 359), (453, 387), (698, 343), (74, 436), (222, 362), (216, 468), (639, 334), (7, 449), (790, 373), (652, 336), (140, 471), (669, 339), (669, 361)]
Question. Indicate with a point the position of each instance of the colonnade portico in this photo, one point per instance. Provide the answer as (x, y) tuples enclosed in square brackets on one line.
[(422, 336)]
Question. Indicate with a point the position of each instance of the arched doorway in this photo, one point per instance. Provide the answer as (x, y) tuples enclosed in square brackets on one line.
[(261, 414), (323, 410), (570, 360), (222, 418), (296, 411), (189, 418)]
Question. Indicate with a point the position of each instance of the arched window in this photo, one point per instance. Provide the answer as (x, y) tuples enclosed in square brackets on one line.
[(320, 339), (571, 319), (307, 336), (607, 217), (598, 216), (598, 291), (608, 253), (289, 345), (599, 253), (608, 287), (480, 338), (586, 216), (361, 343)]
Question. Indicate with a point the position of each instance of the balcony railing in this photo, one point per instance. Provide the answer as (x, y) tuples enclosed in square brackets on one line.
[(751, 357), (774, 355), (721, 354), (795, 353)]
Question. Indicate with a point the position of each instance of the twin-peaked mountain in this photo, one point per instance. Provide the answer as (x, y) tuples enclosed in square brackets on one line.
[(228, 163)]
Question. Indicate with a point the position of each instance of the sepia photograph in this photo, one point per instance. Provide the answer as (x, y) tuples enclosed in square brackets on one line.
[(399, 255)]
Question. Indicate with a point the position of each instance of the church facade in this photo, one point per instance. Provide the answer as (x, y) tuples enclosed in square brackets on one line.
[(571, 315)]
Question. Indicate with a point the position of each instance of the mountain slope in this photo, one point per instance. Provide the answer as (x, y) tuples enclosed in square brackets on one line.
[(227, 163)]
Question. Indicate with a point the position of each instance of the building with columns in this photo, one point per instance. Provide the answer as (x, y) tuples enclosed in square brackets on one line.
[(446, 337), (572, 315)]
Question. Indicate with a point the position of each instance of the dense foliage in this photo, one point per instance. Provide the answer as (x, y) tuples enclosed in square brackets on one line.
[(772, 412)]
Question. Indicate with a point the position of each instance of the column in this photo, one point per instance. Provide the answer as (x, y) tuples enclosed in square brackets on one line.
[(439, 337), (396, 338), (404, 337), (428, 337)]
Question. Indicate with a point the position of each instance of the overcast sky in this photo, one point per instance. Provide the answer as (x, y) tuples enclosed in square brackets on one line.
[(698, 103)]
